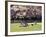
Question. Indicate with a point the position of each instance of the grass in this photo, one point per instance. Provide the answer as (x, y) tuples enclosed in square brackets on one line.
[(15, 27)]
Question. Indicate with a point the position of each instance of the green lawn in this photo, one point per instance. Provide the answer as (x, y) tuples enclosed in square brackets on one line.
[(15, 27)]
